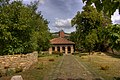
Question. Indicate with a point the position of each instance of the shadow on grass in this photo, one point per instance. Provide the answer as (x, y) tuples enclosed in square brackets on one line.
[(112, 55)]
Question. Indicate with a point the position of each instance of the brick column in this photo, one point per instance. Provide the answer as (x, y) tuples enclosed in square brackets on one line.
[(55, 48), (66, 50), (72, 50), (50, 50), (61, 49)]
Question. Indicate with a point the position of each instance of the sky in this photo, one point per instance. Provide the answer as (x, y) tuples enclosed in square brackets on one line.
[(60, 12)]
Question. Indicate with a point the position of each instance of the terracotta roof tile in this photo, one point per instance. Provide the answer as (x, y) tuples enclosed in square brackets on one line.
[(61, 41)]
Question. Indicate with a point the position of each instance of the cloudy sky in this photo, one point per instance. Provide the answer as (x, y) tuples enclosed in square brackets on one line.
[(60, 13)]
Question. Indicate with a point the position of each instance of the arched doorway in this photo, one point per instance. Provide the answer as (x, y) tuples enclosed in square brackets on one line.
[(58, 48), (63, 49), (69, 49), (53, 48)]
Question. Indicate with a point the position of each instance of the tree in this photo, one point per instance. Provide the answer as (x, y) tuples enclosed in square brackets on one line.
[(22, 28), (90, 40), (87, 21), (114, 37), (107, 6)]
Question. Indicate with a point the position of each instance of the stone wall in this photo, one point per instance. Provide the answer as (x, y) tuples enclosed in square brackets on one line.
[(18, 61)]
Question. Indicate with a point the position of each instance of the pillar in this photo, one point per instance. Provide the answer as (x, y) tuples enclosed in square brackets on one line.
[(50, 50), (66, 50), (72, 50), (61, 49), (55, 48)]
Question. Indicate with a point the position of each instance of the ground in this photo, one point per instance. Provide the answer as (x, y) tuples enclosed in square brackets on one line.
[(104, 65), (73, 67), (69, 69)]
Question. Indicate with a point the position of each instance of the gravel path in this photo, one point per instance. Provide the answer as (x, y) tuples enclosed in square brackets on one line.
[(69, 68)]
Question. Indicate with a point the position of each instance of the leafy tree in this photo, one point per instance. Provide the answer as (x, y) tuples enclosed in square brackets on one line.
[(90, 40), (87, 21), (107, 6), (114, 37), (22, 28)]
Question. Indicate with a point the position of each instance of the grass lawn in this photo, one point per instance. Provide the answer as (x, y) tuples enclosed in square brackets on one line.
[(38, 70), (106, 66)]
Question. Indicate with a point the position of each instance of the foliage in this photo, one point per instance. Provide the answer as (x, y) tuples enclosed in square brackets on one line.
[(22, 28), (57, 53), (89, 27), (107, 6), (114, 37), (90, 40), (18, 69)]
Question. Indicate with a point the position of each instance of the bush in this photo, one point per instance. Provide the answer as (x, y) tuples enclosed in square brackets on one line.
[(104, 67), (51, 59), (10, 72), (57, 53), (43, 54), (116, 78), (17, 70), (75, 53), (40, 66), (60, 54)]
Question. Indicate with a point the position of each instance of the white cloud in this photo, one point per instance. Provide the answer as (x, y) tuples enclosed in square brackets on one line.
[(42, 1), (116, 17), (28, 1), (62, 23)]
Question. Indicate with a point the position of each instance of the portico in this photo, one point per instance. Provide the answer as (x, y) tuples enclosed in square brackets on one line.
[(61, 44)]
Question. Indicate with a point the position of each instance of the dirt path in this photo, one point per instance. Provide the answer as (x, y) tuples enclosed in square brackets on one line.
[(69, 68)]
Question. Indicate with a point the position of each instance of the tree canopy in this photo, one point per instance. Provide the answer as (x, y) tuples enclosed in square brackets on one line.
[(89, 26), (22, 28), (107, 6)]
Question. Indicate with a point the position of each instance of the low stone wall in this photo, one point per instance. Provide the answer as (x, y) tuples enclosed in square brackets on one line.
[(18, 61)]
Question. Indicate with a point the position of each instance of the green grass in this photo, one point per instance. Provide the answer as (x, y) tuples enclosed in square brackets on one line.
[(94, 63), (38, 70)]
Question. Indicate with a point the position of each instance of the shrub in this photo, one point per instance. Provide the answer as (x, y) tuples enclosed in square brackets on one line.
[(60, 54), (75, 53), (40, 66), (57, 53), (18, 69), (51, 59), (10, 72), (116, 78), (43, 54), (92, 52), (104, 67)]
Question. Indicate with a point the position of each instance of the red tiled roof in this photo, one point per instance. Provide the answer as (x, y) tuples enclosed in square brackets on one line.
[(61, 41)]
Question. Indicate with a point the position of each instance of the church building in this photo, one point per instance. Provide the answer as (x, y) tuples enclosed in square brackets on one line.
[(61, 44)]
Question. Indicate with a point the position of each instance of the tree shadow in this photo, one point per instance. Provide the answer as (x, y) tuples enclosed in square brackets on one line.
[(112, 55)]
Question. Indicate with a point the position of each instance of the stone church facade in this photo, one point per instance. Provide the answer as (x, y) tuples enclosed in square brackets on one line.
[(61, 44)]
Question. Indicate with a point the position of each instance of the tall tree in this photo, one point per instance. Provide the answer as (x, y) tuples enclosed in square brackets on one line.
[(87, 21), (21, 28)]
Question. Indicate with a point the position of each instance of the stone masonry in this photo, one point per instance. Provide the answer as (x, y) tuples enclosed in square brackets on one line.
[(18, 61)]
